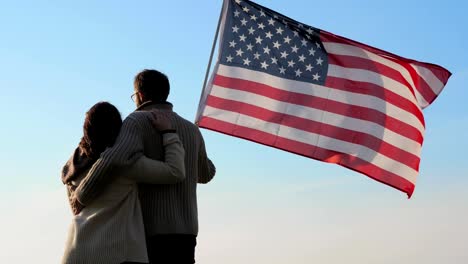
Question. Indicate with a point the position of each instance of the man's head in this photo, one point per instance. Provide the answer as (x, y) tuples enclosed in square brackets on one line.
[(151, 85)]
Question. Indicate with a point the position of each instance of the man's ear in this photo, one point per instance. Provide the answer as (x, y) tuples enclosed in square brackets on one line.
[(141, 97)]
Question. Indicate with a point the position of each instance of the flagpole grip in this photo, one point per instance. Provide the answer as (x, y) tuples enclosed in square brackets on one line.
[(210, 61)]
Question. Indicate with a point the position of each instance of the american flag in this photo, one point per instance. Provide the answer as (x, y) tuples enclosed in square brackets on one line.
[(294, 87)]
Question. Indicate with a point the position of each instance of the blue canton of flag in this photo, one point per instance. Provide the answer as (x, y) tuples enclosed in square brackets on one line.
[(260, 39)]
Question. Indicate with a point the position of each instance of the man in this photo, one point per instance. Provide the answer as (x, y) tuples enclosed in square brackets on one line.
[(169, 211)]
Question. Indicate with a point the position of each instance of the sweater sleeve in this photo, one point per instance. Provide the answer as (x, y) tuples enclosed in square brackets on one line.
[(206, 168), (172, 170), (127, 148)]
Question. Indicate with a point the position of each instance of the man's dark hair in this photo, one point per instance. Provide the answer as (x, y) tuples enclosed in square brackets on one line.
[(154, 85), (100, 130)]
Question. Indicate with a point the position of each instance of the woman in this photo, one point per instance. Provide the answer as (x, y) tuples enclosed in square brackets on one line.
[(110, 229)]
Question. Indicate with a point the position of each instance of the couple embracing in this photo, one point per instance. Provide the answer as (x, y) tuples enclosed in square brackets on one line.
[(132, 184)]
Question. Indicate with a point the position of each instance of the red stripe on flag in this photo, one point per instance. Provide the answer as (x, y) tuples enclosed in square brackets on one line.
[(421, 85), (311, 126), (331, 106), (442, 73), (376, 91), (370, 65), (310, 151)]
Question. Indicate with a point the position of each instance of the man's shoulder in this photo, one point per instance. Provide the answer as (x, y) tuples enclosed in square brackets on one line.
[(137, 116), (186, 123)]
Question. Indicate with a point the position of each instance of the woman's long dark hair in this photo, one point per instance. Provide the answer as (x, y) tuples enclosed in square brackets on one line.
[(100, 130)]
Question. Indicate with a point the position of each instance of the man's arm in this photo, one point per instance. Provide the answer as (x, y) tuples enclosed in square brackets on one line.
[(169, 171), (206, 168), (127, 148)]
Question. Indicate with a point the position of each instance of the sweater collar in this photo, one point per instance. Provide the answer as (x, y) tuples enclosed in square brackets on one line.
[(154, 105)]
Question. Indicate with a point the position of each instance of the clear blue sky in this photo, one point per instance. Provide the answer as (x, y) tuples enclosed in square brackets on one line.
[(58, 58)]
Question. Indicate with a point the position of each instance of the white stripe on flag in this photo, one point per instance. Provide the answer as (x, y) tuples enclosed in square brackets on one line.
[(432, 80), (320, 116), (348, 50), (313, 139), (349, 98)]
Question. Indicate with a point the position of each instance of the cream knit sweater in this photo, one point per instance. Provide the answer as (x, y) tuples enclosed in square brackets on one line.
[(110, 228)]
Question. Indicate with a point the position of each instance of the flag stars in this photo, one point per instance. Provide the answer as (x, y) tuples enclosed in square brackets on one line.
[(302, 58), (298, 73), (312, 52), (319, 61), (284, 54), (279, 31), (243, 22), (232, 44), (271, 22), (238, 2), (258, 40), (294, 49), (316, 76), (276, 45)]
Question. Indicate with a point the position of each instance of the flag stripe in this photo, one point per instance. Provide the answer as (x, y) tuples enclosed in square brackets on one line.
[(358, 112), (376, 91), (441, 73), (370, 77), (421, 85), (292, 120), (424, 81), (348, 50), (303, 149), (370, 65), (311, 139), (317, 115), (408, 121), (429, 77)]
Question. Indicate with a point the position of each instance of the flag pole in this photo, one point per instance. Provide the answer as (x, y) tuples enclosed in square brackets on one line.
[(211, 57)]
